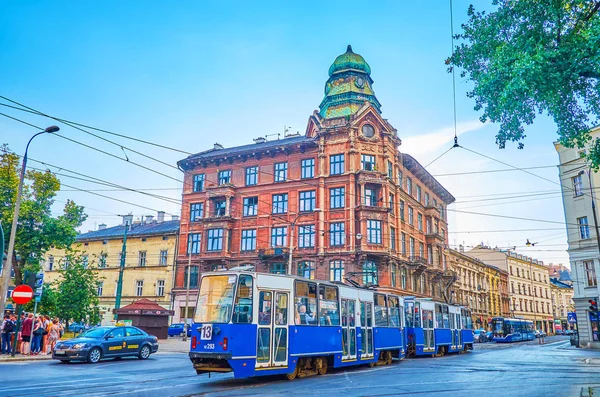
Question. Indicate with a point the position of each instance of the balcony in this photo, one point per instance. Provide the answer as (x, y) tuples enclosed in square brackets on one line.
[(273, 253), (365, 177), (434, 238), (430, 210), (226, 190)]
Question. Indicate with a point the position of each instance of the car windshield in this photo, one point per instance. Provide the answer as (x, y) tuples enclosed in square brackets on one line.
[(215, 299), (94, 333)]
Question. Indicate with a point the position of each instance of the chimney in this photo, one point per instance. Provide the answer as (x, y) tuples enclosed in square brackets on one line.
[(260, 139), (127, 220), (174, 217), (218, 146), (149, 218), (160, 217), (461, 248), (102, 226)]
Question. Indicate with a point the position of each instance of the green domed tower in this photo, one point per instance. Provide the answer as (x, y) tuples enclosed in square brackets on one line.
[(348, 86)]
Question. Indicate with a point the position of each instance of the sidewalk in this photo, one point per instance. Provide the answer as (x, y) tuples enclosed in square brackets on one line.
[(536, 342), (19, 357)]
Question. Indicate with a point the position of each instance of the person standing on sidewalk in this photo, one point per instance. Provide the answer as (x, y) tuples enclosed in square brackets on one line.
[(36, 335), (26, 334), (8, 328)]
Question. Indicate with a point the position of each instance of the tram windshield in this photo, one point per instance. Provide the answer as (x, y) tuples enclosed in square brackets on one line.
[(215, 299)]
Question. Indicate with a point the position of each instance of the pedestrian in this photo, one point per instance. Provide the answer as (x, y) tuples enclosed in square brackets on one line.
[(8, 328), (54, 334), (36, 335), (46, 324), (26, 334)]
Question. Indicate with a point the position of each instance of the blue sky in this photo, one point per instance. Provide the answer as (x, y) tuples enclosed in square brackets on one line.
[(188, 74)]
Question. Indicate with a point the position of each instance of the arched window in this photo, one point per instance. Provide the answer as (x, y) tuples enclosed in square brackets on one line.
[(306, 270), (369, 273)]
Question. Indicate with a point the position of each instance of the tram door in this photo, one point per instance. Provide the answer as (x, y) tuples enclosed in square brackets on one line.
[(458, 328), (349, 329), (366, 324), (272, 335), (428, 335), (453, 329)]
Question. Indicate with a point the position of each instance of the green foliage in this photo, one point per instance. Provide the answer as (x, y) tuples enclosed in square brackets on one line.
[(77, 291), (47, 304), (529, 57), (37, 230)]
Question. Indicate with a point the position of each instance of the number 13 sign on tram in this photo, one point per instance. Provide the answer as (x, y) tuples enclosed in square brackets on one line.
[(22, 294)]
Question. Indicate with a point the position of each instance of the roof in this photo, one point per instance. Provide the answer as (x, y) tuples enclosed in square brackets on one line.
[(211, 153), (146, 229), (144, 306), (559, 284), (349, 60), (420, 172)]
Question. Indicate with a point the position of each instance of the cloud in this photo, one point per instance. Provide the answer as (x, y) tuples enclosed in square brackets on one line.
[(430, 142)]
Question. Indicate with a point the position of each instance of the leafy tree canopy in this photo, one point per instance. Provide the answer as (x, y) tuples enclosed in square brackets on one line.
[(37, 230), (529, 57)]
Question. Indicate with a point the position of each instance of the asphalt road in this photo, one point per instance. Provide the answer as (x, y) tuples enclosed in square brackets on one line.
[(516, 370)]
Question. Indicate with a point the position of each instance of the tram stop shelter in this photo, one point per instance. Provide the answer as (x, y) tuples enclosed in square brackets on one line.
[(148, 316)]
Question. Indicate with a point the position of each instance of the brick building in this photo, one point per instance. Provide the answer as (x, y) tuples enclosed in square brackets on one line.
[(343, 197)]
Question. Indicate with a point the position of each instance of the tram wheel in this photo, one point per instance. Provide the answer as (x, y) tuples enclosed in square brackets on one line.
[(372, 364), (293, 375), (388, 358), (321, 366)]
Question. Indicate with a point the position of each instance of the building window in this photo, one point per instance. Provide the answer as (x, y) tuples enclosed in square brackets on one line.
[(162, 261), (402, 210), (400, 179), (426, 199), (249, 240), (429, 254), (306, 270), (337, 235), (584, 230), (307, 201), (336, 197), (224, 177), (160, 287), (403, 278), (421, 250), (418, 193), (250, 206), (370, 197), (100, 287), (278, 268), (411, 246), (369, 273), (193, 243), (336, 270), (196, 211), (142, 258), (373, 231), (420, 221), (391, 200), (367, 162), (193, 277), (198, 182), (393, 238), (306, 236), (252, 176), (215, 240), (280, 203), (278, 236), (139, 287), (403, 243), (101, 261), (307, 168), (577, 186), (409, 186), (220, 207), (590, 273), (281, 172), (336, 164), (410, 216), (390, 170)]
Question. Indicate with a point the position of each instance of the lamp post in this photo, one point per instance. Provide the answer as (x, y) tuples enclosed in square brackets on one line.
[(7, 270), (291, 245)]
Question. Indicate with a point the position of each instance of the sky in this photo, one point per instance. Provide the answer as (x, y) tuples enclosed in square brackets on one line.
[(188, 74)]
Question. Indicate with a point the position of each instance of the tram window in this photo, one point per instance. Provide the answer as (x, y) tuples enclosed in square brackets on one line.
[(242, 312), (281, 309), (428, 319), (329, 310), (446, 317), (394, 311), (305, 303), (439, 320), (264, 307), (409, 314), (369, 306), (417, 312), (381, 319)]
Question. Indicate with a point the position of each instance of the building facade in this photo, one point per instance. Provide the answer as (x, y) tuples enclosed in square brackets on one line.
[(528, 285), (577, 181), (562, 303), (339, 203), (479, 286), (149, 261)]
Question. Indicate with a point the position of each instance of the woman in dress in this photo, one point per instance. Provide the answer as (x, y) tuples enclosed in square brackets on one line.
[(53, 334)]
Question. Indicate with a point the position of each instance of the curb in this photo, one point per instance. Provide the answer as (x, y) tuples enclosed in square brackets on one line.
[(16, 359)]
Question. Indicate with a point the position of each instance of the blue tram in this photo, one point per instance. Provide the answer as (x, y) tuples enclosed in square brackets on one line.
[(508, 330), (434, 329)]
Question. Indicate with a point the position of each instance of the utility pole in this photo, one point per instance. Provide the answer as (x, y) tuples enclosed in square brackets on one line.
[(121, 269), (187, 294)]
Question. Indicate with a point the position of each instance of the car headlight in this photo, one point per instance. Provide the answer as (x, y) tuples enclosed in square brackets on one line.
[(80, 345)]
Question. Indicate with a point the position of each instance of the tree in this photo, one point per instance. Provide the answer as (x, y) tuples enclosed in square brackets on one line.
[(37, 230), (77, 290), (529, 57)]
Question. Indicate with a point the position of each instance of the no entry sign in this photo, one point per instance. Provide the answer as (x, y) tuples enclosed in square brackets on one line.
[(22, 294)]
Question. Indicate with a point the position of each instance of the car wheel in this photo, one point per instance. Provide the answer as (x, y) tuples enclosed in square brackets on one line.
[(94, 355), (144, 352)]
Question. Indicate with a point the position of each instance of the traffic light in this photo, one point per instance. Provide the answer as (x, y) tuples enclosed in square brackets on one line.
[(593, 305), (39, 284), (29, 278)]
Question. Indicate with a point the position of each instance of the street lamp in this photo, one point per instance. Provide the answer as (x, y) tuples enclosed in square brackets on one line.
[(293, 226), (6, 272)]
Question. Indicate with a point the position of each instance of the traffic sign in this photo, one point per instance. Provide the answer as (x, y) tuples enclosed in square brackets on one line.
[(22, 294)]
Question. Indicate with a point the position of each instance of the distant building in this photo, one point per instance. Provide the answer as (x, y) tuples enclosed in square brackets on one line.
[(577, 181), (149, 261), (529, 286), (560, 272), (343, 197), (562, 303)]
